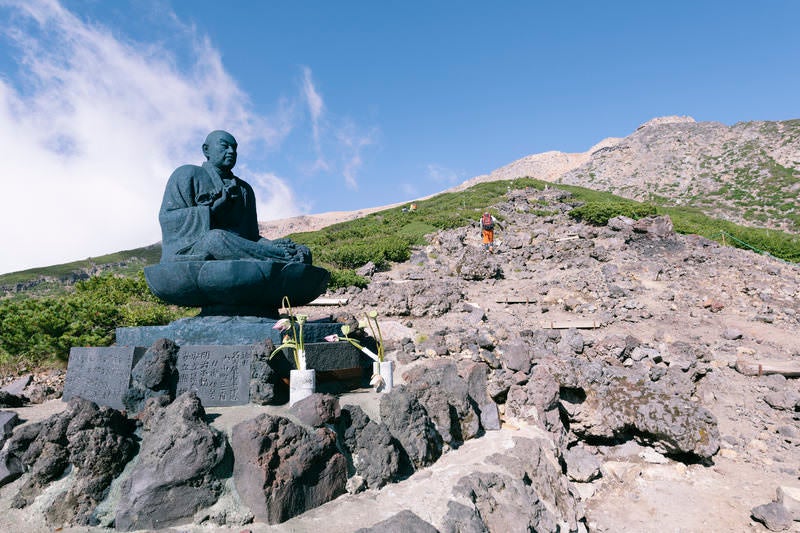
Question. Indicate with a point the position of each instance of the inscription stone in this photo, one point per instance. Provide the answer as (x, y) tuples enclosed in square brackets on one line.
[(219, 375), (100, 375)]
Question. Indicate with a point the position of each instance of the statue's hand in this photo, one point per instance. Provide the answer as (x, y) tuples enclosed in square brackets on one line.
[(222, 202)]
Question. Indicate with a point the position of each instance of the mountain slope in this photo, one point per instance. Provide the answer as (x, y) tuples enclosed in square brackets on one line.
[(748, 173)]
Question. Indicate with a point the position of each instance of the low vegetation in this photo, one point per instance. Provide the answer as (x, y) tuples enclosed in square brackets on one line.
[(37, 331), (40, 329)]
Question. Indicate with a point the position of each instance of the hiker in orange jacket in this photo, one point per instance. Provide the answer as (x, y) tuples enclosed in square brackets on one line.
[(487, 223)]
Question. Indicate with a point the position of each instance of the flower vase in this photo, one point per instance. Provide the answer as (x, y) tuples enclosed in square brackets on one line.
[(384, 369), (302, 384)]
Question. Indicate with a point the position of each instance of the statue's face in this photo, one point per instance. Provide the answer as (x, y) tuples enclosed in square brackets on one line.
[(220, 150)]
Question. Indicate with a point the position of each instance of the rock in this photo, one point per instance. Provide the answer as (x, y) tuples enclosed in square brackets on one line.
[(532, 401), (283, 469), (731, 334), (475, 374), (473, 266), (100, 442), (409, 423), (582, 465), (773, 515), (263, 378), (783, 400), (417, 298), (533, 496), (610, 401), (17, 387), (8, 399), (658, 227), (8, 421), (462, 519), (789, 497), (41, 450), (445, 396), (571, 343), (316, 410), (370, 447), (97, 441), (405, 521), (516, 356), (368, 270), (620, 223), (11, 457), (155, 374), (179, 467)]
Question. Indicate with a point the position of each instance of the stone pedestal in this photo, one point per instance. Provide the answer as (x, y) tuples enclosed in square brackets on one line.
[(220, 330)]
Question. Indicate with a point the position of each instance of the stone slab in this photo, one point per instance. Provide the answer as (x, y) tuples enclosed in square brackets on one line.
[(220, 375), (220, 330), (329, 356), (100, 375), (8, 420), (17, 387)]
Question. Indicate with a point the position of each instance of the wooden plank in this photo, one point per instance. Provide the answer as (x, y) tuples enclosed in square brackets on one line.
[(566, 324), (329, 301), (569, 238), (516, 301), (789, 369)]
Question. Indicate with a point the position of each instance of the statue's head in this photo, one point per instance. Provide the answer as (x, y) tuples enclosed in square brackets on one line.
[(220, 149)]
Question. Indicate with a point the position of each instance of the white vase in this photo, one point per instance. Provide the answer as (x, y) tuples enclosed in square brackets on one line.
[(302, 384), (385, 370)]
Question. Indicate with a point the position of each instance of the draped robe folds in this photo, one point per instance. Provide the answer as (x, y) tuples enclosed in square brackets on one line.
[(190, 232)]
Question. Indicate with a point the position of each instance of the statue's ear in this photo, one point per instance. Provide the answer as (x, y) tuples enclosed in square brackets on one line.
[(205, 150)]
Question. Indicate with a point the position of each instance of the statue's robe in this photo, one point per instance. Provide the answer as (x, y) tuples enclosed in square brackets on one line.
[(190, 232)]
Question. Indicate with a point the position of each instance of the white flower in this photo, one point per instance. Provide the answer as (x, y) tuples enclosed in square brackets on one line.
[(283, 324)]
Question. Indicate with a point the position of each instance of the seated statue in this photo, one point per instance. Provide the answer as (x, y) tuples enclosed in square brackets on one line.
[(212, 255), (209, 213)]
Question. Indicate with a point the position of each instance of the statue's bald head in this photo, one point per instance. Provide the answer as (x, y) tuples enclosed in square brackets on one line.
[(220, 149)]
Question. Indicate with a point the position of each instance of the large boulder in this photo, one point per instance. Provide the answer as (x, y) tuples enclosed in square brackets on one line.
[(155, 374), (409, 423), (316, 410), (527, 492), (445, 396), (283, 469), (372, 450), (610, 402), (179, 468), (97, 441), (100, 443)]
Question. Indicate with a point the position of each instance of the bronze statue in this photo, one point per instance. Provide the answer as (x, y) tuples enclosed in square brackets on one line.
[(209, 213), (212, 255)]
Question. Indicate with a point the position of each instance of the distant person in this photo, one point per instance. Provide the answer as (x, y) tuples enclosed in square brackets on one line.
[(208, 213), (488, 223)]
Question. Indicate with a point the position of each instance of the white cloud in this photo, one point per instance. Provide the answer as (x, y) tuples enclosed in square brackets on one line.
[(409, 190), (92, 128), (442, 175), (335, 134)]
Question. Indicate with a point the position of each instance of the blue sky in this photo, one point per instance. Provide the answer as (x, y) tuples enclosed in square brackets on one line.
[(343, 105)]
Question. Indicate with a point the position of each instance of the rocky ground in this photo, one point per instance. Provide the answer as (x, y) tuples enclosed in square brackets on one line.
[(611, 354)]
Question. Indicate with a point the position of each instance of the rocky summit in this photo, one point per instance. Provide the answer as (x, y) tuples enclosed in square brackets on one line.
[(581, 378)]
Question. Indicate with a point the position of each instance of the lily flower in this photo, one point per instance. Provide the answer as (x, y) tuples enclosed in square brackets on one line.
[(282, 325)]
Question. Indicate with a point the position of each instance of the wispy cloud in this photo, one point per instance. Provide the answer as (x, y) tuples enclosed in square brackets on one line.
[(315, 107), (340, 136), (91, 127), (443, 175)]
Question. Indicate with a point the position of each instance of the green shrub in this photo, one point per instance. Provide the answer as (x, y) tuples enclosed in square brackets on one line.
[(346, 278), (599, 213), (45, 328)]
